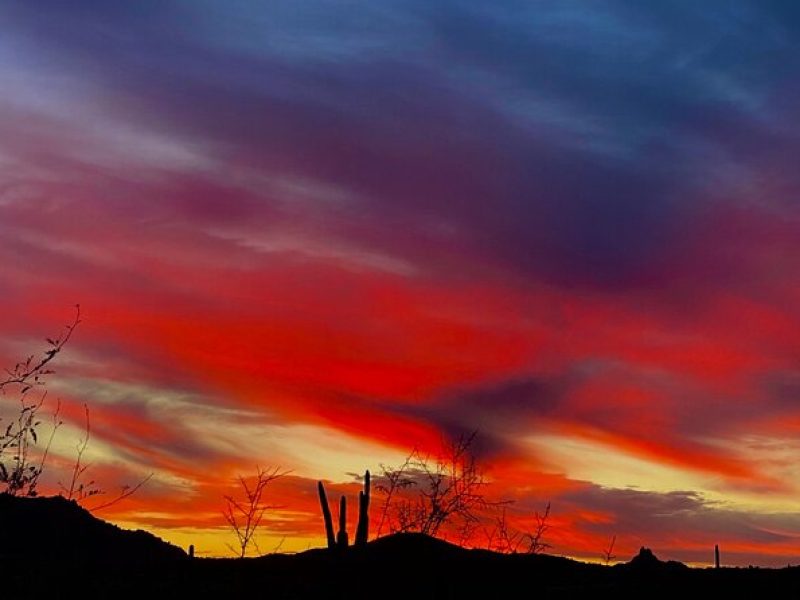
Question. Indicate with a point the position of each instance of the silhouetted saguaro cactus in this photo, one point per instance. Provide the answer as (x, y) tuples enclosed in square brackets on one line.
[(191, 550), (341, 537), (326, 515), (362, 529), (716, 556), (341, 540)]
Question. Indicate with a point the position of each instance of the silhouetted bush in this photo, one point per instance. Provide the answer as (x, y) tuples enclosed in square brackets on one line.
[(431, 494), (244, 515), (20, 472)]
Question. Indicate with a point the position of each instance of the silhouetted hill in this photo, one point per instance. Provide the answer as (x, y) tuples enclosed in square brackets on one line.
[(418, 544), (647, 562), (56, 528), (68, 553)]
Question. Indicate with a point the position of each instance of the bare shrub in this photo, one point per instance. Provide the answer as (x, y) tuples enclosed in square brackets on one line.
[(503, 538), (536, 543), (432, 494), (244, 515), (608, 553), (19, 472)]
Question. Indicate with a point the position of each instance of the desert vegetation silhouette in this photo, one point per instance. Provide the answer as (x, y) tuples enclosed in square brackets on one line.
[(244, 513), (432, 518), (441, 495), (23, 460)]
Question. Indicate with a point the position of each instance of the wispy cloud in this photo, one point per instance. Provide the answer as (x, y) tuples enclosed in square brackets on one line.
[(339, 232)]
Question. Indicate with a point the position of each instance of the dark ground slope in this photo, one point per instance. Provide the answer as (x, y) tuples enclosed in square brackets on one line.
[(73, 555), (56, 529)]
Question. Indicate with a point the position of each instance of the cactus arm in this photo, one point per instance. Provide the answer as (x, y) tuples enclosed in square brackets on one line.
[(362, 530), (326, 515), (341, 537)]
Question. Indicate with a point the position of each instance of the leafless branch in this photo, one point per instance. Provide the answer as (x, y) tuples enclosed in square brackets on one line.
[(75, 485), (503, 538), (18, 437), (536, 545), (29, 372), (608, 553), (389, 483), (19, 475), (127, 491), (448, 492), (244, 516)]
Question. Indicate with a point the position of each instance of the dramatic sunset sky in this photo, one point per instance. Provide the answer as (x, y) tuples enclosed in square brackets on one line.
[(316, 234)]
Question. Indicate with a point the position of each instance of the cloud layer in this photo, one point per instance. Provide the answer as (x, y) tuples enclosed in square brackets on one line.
[(345, 231)]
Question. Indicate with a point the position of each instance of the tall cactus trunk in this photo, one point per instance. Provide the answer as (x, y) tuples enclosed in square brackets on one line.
[(716, 556), (341, 537), (326, 515), (362, 530)]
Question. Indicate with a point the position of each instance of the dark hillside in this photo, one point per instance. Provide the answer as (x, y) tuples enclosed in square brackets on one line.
[(56, 529), (54, 549)]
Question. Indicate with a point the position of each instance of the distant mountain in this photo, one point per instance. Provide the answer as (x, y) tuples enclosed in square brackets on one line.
[(55, 528), (646, 561)]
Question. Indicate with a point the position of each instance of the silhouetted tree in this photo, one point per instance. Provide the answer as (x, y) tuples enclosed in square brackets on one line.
[(20, 474), (536, 543), (391, 483), (244, 515), (608, 553), (503, 538), (428, 494)]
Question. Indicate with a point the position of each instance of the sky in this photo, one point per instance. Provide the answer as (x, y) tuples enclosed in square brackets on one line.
[(317, 235)]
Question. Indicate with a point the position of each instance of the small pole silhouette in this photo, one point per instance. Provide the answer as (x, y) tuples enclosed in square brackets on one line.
[(191, 550), (716, 556)]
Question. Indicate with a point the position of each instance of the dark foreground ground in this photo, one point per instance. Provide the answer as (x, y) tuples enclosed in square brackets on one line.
[(53, 549)]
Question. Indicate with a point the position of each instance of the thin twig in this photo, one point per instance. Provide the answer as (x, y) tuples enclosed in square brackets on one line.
[(126, 492), (245, 516), (24, 371), (77, 470)]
